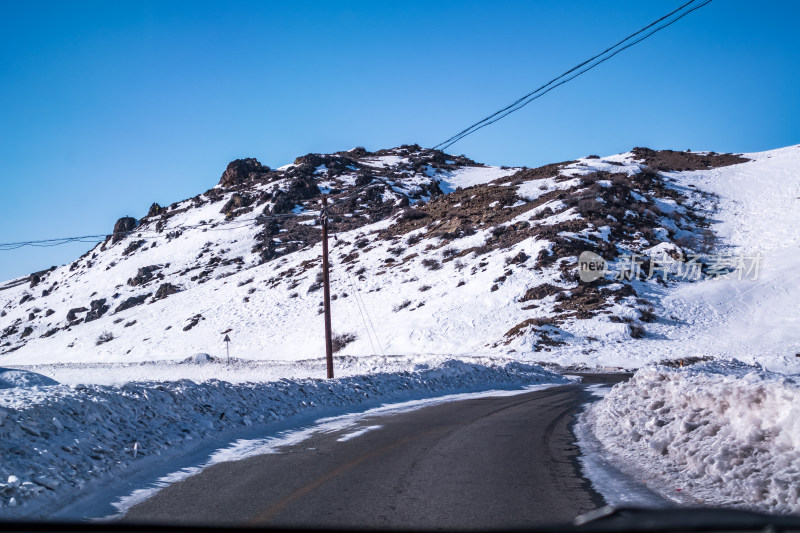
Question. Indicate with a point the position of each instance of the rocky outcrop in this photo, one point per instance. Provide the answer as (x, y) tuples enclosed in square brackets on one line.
[(670, 160), (241, 171), (303, 188), (122, 227), (72, 315), (143, 275), (165, 290), (98, 309), (237, 201), (132, 302), (155, 210)]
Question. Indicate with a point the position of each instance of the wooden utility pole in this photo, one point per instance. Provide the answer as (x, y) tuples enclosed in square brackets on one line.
[(326, 288)]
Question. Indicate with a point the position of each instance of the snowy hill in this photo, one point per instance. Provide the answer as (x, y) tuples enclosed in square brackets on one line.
[(434, 256)]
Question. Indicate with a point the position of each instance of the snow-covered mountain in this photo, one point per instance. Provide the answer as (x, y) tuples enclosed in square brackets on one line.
[(433, 254)]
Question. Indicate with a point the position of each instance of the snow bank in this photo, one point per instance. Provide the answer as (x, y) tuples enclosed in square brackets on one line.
[(11, 378), (721, 434), (57, 438)]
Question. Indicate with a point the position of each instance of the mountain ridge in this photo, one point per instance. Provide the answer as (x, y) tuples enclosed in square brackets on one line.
[(428, 223)]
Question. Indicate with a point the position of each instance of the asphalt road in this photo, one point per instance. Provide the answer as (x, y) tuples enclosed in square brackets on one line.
[(480, 463)]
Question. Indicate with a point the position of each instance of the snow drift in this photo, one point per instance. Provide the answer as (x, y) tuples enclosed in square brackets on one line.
[(720, 434)]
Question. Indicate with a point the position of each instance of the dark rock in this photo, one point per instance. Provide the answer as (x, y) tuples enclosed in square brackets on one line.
[(122, 228), (71, 315), (541, 291), (434, 190), (283, 203), (35, 279), (165, 290), (241, 171), (143, 275), (270, 228), (27, 331), (358, 152), (312, 160), (373, 195), (98, 309), (155, 210), (193, 322), (303, 188), (666, 160), (132, 302), (236, 201), (520, 258), (266, 250), (132, 247), (413, 214), (364, 179)]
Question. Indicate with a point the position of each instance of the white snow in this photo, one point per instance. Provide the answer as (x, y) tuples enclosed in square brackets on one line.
[(469, 176), (385, 161), (718, 434), (357, 433)]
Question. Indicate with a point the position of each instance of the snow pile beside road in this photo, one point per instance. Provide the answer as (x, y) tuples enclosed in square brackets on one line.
[(57, 438), (11, 378), (721, 434)]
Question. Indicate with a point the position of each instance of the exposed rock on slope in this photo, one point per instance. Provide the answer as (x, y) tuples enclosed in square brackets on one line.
[(467, 258)]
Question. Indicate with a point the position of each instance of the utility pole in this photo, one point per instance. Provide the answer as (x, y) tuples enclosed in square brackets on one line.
[(326, 287)]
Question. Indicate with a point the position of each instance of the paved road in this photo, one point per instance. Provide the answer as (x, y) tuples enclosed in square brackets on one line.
[(479, 463)]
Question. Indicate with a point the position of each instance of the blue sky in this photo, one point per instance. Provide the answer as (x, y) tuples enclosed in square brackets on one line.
[(106, 107)]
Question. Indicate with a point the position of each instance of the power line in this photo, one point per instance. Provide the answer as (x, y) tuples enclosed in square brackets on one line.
[(369, 318), (491, 119), (568, 72), (363, 319), (98, 237), (528, 98), (145, 231)]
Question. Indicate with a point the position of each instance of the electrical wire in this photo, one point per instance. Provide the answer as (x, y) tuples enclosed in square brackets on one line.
[(528, 98), (369, 318), (567, 72), (491, 119), (363, 319), (360, 303), (144, 232)]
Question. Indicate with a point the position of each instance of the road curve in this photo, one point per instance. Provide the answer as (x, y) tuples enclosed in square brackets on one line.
[(492, 462)]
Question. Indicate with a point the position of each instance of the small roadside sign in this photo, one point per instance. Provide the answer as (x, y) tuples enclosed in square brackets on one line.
[(227, 341)]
